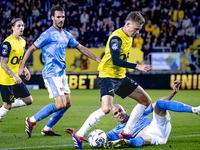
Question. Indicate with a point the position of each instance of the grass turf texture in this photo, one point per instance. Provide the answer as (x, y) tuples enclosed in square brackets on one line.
[(185, 133)]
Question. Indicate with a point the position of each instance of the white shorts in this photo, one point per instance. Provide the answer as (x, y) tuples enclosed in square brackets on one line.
[(159, 129), (57, 86)]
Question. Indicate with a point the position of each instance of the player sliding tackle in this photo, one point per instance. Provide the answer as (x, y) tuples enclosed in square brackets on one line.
[(146, 131), (113, 80)]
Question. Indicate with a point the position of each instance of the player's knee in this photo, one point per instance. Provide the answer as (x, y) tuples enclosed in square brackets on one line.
[(7, 106), (60, 106), (29, 101), (68, 105), (106, 110), (146, 101), (160, 104)]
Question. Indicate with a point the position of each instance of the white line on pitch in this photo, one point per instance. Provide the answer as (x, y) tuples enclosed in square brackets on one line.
[(83, 143)]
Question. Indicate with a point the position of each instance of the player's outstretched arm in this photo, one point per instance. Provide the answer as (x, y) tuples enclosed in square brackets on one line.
[(169, 96), (73, 131), (175, 90), (145, 68), (87, 52), (25, 59)]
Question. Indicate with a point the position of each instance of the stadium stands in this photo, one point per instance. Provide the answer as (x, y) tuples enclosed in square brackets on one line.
[(169, 23)]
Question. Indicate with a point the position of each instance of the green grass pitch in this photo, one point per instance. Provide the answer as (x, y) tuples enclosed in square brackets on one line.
[(185, 134)]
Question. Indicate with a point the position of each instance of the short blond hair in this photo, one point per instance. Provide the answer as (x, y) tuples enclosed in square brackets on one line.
[(135, 16)]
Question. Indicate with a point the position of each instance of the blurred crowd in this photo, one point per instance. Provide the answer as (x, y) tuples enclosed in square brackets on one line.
[(171, 23)]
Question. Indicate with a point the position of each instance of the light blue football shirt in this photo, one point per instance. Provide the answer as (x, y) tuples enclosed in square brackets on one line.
[(142, 123), (53, 44)]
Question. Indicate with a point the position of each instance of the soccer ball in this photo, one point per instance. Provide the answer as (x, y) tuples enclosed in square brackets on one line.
[(97, 138)]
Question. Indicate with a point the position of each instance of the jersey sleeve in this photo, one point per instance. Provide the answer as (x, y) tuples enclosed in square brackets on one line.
[(115, 50), (113, 134), (72, 41), (5, 49), (42, 40)]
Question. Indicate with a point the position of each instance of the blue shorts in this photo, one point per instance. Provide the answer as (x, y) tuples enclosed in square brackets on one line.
[(122, 87), (9, 93)]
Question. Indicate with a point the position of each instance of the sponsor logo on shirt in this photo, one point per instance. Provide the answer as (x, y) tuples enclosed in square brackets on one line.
[(4, 52), (5, 46), (115, 46)]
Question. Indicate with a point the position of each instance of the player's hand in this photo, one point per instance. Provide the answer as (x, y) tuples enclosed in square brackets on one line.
[(69, 130), (145, 68), (17, 79), (20, 71), (176, 86), (27, 74)]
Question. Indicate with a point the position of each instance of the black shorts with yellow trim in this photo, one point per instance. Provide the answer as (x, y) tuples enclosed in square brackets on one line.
[(121, 87), (9, 93)]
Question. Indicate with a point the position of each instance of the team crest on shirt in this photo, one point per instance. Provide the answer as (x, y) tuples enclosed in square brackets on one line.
[(4, 52), (66, 38), (115, 46), (61, 89)]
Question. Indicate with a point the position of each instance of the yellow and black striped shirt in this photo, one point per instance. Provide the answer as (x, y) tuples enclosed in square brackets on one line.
[(114, 62), (14, 51)]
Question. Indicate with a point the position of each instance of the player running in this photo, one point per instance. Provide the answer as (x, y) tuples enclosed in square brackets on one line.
[(112, 79), (146, 131), (11, 85), (53, 43)]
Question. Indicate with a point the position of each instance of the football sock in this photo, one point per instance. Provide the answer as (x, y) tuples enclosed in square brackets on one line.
[(136, 114), (195, 110), (47, 128), (173, 106), (3, 112), (56, 116), (90, 122), (32, 119), (149, 109), (18, 102), (45, 111), (136, 142)]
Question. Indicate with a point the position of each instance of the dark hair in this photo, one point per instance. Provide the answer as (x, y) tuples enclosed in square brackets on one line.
[(56, 8), (14, 21), (135, 16)]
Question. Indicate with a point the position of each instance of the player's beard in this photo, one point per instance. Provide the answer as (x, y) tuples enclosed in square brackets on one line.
[(59, 24)]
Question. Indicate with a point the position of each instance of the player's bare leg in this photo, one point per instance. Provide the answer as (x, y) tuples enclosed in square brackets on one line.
[(106, 106), (143, 102)]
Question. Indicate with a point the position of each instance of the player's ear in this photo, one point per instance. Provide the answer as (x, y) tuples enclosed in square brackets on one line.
[(52, 17), (128, 23)]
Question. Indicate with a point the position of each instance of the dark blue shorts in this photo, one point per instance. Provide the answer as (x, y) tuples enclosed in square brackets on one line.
[(9, 93), (122, 87)]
